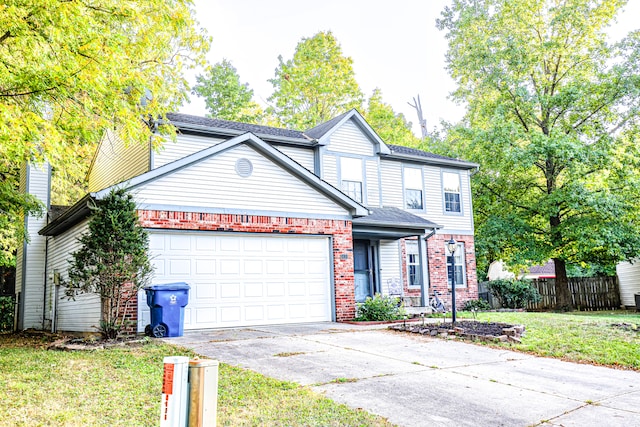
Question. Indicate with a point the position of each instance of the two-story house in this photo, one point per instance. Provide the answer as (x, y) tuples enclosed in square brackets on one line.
[(266, 225)]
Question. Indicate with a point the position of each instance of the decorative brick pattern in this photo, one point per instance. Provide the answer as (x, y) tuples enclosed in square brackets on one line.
[(340, 230)]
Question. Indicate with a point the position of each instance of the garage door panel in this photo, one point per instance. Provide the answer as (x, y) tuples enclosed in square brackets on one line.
[(230, 266), (244, 279), (206, 315), (180, 267), (229, 290), (276, 312), (253, 267), (203, 290), (254, 313), (205, 266)]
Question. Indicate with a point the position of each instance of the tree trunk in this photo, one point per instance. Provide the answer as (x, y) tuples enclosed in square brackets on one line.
[(563, 296)]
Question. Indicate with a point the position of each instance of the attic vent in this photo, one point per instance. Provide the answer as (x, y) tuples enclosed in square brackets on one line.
[(244, 167)]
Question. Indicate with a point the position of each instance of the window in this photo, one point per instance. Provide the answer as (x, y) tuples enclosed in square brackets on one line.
[(351, 176), (413, 188), (413, 263), (459, 265), (451, 186)]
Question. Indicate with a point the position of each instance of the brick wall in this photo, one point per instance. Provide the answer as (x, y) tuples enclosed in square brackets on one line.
[(340, 230), (438, 268)]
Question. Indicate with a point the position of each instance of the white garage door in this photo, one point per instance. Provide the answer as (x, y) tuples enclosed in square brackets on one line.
[(240, 279)]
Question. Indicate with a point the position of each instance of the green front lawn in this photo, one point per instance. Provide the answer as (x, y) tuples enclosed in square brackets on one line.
[(604, 338), (122, 387)]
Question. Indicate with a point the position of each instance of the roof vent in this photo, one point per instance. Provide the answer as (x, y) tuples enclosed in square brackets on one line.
[(244, 167)]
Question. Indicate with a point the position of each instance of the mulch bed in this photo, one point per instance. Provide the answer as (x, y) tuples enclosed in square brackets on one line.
[(466, 329)]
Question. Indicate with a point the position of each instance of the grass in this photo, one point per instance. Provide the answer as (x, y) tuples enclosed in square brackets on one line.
[(122, 386), (602, 338)]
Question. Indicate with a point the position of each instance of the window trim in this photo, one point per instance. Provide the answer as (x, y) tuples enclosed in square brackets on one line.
[(444, 201), (421, 189), (462, 263), (417, 264), (363, 191)]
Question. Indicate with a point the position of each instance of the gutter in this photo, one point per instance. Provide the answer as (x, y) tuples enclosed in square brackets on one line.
[(457, 163)]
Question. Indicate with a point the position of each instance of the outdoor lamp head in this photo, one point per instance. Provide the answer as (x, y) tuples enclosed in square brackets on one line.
[(451, 245)]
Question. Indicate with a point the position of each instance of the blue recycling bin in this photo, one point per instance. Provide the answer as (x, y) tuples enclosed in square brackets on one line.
[(167, 302)]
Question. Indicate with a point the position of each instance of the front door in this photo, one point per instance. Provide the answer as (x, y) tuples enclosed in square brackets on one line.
[(362, 270)]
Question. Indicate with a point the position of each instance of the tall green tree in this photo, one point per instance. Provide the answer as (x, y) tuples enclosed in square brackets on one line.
[(113, 261), (225, 96), (392, 127), (552, 119), (317, 84), (69, 69)]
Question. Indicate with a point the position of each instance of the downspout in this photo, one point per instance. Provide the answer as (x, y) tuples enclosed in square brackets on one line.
[(44, 292)]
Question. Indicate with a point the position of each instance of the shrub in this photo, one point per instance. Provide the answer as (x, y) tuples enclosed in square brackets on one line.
[(113, 261), (379, 308), (476, 305), (513, 293), (7, 304)]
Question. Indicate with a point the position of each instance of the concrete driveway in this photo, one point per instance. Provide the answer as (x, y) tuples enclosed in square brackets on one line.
[(423, 381)]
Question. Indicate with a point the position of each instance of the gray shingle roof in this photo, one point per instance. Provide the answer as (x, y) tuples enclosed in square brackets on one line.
[(399, 149), (395, 217), (318, 131), (236, 126)]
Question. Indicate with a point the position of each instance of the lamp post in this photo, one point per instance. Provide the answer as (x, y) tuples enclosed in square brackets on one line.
[(451, 246)]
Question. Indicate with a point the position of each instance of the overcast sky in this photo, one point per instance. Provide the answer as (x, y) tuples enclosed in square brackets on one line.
[(394, 45)]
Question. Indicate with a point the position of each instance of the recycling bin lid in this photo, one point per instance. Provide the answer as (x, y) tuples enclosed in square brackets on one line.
[(177, 286)]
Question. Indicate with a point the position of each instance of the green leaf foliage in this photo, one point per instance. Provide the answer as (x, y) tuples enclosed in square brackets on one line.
[(7, 309), (113, 261), (392, 127), (380, 308), (70, 69), (513, 293), (552, 119), (316, 85), (225, 96)]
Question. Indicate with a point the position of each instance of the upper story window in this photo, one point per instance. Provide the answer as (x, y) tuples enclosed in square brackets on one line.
[(451, 188), (351, 177), (459, 270), (413, 188)]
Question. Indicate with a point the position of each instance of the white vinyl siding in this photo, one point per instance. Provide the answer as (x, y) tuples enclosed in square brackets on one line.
[(392, 195), (629, 279), (242, 279), (116, 161), (435, 202), (304, 156), (391, 184), (330, 169), (83, 314), (213, 183), (390, 264), (349, 139), (37, 184), (372, 183), (184, 146)]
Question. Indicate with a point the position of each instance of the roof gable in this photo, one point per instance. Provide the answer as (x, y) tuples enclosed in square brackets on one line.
[(261, 147), (322, 133)]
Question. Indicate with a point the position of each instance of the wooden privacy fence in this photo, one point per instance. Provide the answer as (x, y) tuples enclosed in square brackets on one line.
[(587, 293)]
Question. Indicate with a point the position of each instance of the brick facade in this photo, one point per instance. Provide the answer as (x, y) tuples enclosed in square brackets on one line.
[(340, 230), (438, 268)]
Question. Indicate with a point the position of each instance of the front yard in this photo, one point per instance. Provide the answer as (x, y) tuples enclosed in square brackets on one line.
[(122, 386), (603, 338)]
